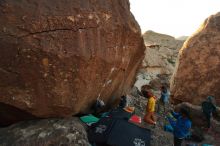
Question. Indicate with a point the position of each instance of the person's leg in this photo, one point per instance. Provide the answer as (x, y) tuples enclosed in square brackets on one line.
[(153, 118), (208, 118), (158, 107), (148, 118), (164, 107), (177, 141)]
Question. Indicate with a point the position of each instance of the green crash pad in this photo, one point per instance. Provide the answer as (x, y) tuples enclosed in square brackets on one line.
[(89, 119)]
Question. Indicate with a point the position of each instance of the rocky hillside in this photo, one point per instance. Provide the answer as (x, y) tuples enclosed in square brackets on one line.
[(197, 72), (160, 57), (57, 58)]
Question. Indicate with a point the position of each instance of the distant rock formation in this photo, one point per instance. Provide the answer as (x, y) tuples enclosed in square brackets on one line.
[(57, 57), (160, 57), (183, 38), (197, 72)]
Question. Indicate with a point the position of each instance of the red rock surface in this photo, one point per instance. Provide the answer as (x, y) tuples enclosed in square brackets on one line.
[(57, 57), (197, 74)]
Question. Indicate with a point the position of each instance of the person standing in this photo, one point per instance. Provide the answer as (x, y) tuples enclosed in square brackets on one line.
[(150, 108), (164, 99), (181, 125), (123, 101), (208, 108)]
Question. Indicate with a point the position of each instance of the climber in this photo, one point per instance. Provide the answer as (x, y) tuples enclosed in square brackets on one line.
[(164, 99), (150, 108), (181, 125), (98, 106), (208, 108), (123, 102)]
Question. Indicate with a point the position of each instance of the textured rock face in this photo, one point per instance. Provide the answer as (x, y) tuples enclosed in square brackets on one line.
[(57, 57), (161, 52), (197, 74), (160, 57), (68, 132)]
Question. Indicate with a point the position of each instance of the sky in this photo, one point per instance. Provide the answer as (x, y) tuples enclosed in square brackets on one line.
[(173, 17)]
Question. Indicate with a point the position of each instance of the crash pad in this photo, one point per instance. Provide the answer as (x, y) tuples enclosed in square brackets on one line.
[(207, 145), (118, 132), (135, 119), (125, 133), (129, 109), (89, 119), (99, 132), (119, 113)]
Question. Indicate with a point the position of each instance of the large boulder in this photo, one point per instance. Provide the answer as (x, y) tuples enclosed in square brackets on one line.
[(196, 114), (48, 132), (198, 118), (58, 57), (197, 72)]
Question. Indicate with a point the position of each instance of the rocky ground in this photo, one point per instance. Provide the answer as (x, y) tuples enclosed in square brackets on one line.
[(159, 137), (162, 138), (46, 132), (72, 132)]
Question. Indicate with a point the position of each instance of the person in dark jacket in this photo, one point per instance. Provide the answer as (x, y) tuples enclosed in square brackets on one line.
[(181, 125), (123, 102), (208, 108)]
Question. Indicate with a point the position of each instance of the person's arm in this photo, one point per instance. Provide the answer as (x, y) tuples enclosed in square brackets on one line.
[(189, 125), (175, 115), (172, 122), (186, 128), (214, 107)]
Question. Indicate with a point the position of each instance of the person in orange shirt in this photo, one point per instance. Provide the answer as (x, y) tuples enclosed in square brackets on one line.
[(150, 108)]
